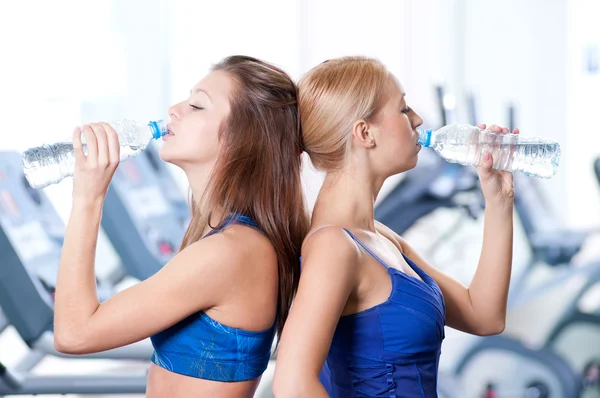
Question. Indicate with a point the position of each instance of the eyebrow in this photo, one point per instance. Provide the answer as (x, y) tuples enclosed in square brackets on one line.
[(200, 90)]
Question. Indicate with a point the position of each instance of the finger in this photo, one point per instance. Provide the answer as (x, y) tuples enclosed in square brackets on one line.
[(78, 146), (481, 126), (91, 145), (495, 128), (114, 148), (102, 144), (505, 130), (516, 131)]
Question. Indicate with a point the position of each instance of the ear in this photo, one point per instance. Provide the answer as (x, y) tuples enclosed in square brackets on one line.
[(362, 133)]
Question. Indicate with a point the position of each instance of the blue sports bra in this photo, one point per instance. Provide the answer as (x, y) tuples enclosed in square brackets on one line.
[(391, 349), (201, 347)]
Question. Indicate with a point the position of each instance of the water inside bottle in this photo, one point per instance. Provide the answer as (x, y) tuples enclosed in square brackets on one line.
[(41, 170), (532, 158)]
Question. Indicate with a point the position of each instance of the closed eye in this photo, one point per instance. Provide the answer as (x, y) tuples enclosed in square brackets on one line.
[(406, 110), (196, 108)]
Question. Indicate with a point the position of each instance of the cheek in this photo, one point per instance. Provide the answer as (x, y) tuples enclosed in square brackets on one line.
[(197, 143), (201, 145), (201, 130), (399, 146), (397, 134)]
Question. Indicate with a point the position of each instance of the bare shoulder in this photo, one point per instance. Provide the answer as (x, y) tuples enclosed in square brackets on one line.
[(330, 248), (248, 242), (230, 251)]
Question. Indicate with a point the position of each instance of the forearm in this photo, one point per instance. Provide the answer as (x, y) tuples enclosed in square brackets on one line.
[(76, 297), (488, 290)]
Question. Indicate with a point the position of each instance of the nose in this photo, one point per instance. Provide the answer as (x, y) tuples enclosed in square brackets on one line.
[(416, 120), (174, 111)]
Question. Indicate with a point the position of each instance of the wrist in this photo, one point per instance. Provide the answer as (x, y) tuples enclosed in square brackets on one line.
[(87, 205), (500, 206)]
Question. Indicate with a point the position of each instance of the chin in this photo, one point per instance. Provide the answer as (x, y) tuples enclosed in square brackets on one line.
[(414, 163), (165, 156), (405, 167)]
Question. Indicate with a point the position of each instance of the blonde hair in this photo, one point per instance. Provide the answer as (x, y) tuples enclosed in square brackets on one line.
[(332, 97)]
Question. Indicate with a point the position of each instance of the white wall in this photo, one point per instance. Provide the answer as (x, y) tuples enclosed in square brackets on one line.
[(402, 34), (534, 53), (54, 55), (298, 35), (518, 51), (582, 112), (122, 62), (201, 33)]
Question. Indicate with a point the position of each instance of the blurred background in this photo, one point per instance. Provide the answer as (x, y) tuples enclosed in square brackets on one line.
[(529, 64)]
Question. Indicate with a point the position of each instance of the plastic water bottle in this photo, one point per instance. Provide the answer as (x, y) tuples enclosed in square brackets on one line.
[(466, 144), (49, 164)]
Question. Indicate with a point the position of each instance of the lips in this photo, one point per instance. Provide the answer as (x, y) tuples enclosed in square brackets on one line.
[(169, 133)]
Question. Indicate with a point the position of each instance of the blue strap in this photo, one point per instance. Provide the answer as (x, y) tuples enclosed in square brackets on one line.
[(235, 219), (375, 256), (317, 230)]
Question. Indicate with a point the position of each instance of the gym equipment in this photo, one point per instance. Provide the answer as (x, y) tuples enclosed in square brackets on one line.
[(432, 185), (576, 335), (554, 367), (3, 321), (12, 383), (145, 215), (510, 369), (30, 242)]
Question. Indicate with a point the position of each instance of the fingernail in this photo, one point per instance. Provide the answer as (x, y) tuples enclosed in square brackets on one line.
[(486, 156)]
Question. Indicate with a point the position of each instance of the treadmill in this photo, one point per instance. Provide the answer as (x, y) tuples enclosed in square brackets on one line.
[(31, 234)]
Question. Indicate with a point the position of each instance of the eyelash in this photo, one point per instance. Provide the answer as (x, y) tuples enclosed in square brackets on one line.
[(406, 110), (196, 108)]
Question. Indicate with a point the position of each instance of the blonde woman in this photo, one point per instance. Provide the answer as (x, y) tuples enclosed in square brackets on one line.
[(369, 316)]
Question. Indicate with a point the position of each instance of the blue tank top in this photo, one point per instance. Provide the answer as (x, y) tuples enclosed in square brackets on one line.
[(393, 348), (201, 347)]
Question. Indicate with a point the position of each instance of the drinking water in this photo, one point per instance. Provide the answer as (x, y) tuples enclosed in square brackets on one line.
[(465, 144), (49, 164)]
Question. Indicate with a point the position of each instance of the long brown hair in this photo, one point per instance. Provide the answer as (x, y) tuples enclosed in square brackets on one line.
[(257, 173)]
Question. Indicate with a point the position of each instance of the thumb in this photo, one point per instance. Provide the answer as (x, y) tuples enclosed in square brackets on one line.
[(485, 167)]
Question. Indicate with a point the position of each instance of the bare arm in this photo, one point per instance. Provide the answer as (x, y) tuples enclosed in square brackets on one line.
[(328, 277), (197, 278), (480, 308)]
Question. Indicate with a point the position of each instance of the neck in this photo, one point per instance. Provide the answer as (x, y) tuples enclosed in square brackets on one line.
[(347, 198), (198, 180)]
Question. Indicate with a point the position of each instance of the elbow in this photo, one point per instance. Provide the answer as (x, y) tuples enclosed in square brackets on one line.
[(491, 328), (70, 344), (498, 328)]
